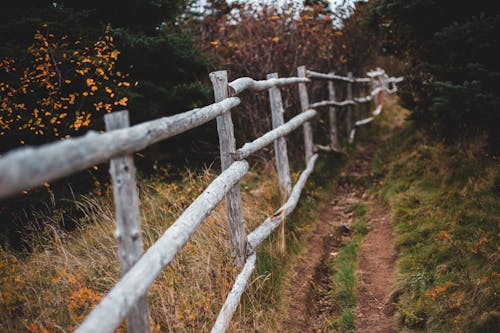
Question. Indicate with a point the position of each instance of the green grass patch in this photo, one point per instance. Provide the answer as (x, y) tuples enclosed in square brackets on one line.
[(445, 205), (344, 278)]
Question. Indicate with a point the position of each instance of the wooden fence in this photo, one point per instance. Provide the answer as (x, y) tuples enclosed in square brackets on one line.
[(28, 167)]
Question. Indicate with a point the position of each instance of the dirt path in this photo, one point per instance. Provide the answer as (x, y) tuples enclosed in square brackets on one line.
[(308, 291), (376, 273)]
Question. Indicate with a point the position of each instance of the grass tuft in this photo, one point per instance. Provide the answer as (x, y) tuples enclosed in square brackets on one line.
[(344, 276)]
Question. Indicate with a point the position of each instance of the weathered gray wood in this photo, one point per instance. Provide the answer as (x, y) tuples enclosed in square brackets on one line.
[(304, 104), (316, 75), (352, 133), (388, 81), (109, 313), (128, 221), (280, 148), (365, 99), (332, 103), (251, 147), (29, 166), (227, 145), (324, 149), (371, 75), (375, 73), (246, 83), (364, 121), (368, 106), (271, 223), (332, 115), (396, 79), (233, 299), (349, 116), (378, 110), (392, 90), (376, 91)]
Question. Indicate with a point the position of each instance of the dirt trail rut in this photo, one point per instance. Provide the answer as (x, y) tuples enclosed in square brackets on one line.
[(376, 273), (308, 291)]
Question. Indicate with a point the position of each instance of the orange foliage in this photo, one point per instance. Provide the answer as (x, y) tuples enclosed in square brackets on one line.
[(60, 88)]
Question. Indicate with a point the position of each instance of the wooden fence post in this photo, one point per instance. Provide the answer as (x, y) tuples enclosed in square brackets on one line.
[(368, 106), (280, 148), (304, 103), (128, 221), (349, 107), (227, 145), (334, 139)]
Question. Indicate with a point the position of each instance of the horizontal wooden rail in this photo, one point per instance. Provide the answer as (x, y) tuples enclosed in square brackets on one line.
[(364, 121), (325, 149), (376, 73), (323, 76), (317, 75), (233, 299), (246, 83), (271, 223), (365, 99), (251, 147), (113, 308), (331, 103), (396, 79), (31, 166)]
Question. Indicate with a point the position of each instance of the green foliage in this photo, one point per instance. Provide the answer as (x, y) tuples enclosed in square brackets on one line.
[(445, 206), (453, 75)]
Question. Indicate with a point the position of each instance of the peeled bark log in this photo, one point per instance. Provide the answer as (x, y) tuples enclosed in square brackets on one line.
[(31, 166), (113, 308)]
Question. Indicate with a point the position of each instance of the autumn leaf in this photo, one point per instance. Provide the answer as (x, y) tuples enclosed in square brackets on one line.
[(123, 101), (114, 54)]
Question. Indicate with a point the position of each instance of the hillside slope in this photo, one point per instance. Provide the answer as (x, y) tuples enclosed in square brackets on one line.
[(445, 203)]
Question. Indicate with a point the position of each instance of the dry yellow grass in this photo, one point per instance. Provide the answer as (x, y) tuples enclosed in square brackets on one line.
[(53, 288)]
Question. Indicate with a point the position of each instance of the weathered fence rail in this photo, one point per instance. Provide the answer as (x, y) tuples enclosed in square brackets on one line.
[(27, 167)]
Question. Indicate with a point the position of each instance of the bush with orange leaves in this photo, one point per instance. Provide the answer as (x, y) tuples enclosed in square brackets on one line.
[(59, 89)]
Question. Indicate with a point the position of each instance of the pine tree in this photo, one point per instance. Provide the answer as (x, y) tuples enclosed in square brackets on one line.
[(454, 72)]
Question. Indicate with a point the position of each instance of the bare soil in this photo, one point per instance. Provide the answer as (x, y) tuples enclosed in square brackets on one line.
[(308, 288), (376, 273)]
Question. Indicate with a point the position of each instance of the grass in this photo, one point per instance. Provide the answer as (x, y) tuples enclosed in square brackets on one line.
[(445, 205), (67, 273), (344, 276)]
